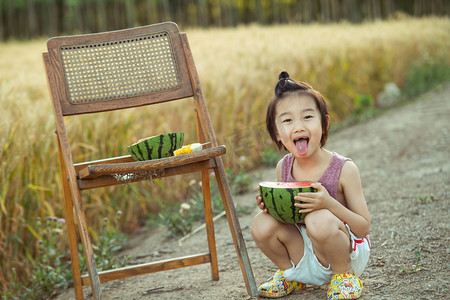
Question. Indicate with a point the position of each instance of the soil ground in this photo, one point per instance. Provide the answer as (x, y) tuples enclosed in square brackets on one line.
[(403, 158)]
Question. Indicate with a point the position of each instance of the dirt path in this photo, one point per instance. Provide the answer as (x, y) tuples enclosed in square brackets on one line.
[(403, 158)]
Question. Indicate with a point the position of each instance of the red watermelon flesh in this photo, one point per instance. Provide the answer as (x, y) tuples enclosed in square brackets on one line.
[(144, 139), (279, 184)]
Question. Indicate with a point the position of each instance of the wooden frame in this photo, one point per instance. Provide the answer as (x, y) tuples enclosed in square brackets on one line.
[(94, 174)]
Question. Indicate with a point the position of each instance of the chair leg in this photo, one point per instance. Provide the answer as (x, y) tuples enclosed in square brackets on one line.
[(73, 245), (87, 249), (235, 229), (72, 232), (73, 201), (209, 224)]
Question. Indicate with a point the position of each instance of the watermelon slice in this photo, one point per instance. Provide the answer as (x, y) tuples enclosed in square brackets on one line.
[(155, 147), (278, 198)]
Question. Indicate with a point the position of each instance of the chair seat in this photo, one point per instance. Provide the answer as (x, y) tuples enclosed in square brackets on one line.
[(124, 168)]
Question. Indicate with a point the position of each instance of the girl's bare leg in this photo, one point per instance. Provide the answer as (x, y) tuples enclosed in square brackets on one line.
[(330, 239), (280, 242)]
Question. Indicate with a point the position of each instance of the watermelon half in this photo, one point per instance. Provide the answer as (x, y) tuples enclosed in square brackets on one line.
[(158, 146), (278, 198)]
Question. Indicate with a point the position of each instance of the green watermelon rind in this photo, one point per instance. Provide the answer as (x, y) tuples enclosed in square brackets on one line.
[(286, 213), (159, 146)]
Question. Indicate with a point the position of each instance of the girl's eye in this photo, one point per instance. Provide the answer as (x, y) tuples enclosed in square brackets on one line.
[(308, 117), (286, 120)]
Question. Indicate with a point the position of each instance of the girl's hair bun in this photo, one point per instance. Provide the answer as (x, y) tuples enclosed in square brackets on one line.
[(286, 84), (280, 87), (283, 75)]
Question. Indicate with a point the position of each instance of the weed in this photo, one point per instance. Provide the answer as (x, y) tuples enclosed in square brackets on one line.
[(270, 156), (51, 269), (240, 181), (245, 210), (180, 218), (425, 75), (363, 110), (418, 266), (52, 272), (108, 242), (363, 103), (426, 198)]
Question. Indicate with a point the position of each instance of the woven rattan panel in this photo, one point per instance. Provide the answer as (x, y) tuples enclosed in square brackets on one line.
[(124, 68)]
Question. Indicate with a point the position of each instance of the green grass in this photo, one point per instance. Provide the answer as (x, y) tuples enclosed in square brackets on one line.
[(51, 272), (424, 75), (414, 267)]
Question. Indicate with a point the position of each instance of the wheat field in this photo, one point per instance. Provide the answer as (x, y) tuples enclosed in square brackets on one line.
[(238, 69)]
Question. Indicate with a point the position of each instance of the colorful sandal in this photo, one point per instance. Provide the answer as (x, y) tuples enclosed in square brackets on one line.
[(277, 286), (344, 286)]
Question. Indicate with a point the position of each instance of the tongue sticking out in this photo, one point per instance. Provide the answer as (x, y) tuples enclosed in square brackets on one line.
[(302, 146)]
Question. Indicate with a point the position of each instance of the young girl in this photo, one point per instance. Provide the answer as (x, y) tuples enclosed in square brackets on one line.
[(332, 244)]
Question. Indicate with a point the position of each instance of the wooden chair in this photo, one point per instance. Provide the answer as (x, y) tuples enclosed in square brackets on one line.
[(123, 69)]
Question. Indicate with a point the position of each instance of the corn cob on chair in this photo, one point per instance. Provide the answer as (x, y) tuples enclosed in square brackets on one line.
[(91, 73)]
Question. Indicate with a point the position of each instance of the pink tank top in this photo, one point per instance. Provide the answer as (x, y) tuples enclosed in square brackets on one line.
[(329, 179)]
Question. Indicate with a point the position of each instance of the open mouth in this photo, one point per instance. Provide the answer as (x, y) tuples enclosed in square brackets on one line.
[(301, 145)]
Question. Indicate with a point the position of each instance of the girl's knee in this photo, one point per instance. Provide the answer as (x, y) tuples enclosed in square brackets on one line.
[(262, 227), (265, 228), (321, 224)]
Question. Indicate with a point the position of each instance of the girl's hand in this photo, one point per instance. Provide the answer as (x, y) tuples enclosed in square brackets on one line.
[(260, 203), (313, 201)]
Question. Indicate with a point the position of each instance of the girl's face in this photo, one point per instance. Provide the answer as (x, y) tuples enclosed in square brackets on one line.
[(298, 124)]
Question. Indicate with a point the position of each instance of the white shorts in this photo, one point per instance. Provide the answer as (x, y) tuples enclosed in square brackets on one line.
[(310, 271)]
